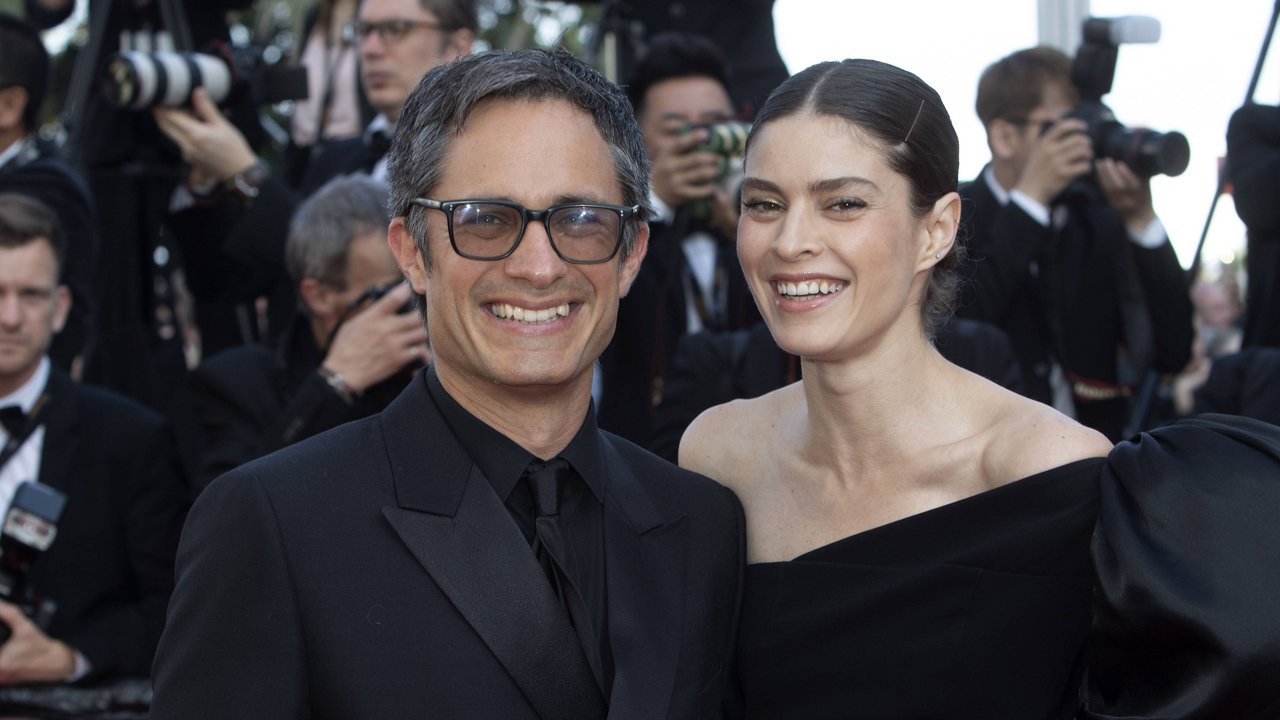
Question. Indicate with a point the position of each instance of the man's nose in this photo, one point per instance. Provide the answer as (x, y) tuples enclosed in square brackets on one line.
[(535, 259)]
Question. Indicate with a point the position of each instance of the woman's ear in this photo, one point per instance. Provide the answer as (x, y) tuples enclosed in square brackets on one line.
[(940, 226)]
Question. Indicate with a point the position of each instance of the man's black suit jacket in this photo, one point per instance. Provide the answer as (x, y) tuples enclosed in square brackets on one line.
[(371, 572), (1253, 159), (251, 400), (651, 320), (110, 569), (1092, 291)]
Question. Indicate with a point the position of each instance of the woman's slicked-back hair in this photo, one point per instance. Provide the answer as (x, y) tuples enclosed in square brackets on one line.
[(913, 129), (438, 108)]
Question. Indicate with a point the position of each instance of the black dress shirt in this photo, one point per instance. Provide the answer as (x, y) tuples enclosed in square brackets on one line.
[(581, 517)]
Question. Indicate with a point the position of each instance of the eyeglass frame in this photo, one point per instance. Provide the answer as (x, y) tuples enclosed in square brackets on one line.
[(625, 214), (355, 32)]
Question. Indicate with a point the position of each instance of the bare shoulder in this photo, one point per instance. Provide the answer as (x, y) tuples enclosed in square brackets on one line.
[(726, 440), (1032, 437)]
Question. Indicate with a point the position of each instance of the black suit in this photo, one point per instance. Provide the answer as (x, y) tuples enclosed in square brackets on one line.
[(1075, 297), (372, 572), (1253, 159), (248, 401), (110, 569), (651, 320)]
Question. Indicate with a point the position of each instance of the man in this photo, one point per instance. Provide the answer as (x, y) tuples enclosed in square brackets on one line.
[(691, 280), (1253, 160), (342, 358), (109, 569), (1069, 256), (34, 167), (233, 237), (428, 560)]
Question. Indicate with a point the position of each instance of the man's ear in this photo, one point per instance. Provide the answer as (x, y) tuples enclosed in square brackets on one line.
[(940, 227), (408, 257), (459, 43), (61, 307), (631, 266), (317, 297), (1003, 138)]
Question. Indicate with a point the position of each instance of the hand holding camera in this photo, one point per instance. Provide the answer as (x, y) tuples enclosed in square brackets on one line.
[(215, 149), (378, 341), (1128, 194), (682, 172), (1061, 153), (29, 655)]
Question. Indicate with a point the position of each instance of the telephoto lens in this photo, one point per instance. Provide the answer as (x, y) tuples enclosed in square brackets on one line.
[(140, 80)]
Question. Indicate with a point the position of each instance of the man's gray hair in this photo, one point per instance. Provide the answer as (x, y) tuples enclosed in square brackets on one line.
[(324, 227), (438, 108)]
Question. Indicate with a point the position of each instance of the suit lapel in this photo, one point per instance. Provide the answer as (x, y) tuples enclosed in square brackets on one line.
[(645, 555), (61, 427), (458, 529)]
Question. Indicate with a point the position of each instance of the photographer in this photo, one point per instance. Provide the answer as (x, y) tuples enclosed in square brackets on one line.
[(109, 568), (238, 224), (36, 168), (690, 280), (1069, 257), (344, 356), (1253, 159)]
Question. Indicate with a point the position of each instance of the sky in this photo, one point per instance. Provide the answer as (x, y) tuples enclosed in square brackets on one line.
[(1190, 81)]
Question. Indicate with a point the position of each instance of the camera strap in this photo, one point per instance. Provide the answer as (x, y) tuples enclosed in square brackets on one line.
[(19, 437)]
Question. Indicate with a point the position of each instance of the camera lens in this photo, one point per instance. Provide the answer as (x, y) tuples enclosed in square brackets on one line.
[(1147, 152), (139, 80)]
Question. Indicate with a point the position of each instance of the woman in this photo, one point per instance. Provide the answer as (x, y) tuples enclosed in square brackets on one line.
[(919, 538)]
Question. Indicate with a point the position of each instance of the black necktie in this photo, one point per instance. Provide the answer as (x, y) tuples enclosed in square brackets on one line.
[(546, 481), (379, 144), (14, 420)]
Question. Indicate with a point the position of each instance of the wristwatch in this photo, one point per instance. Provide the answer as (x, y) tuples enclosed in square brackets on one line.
[(246, 183)]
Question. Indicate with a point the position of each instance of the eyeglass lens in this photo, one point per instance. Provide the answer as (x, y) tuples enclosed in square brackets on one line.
[(392, 30), (579, 232)]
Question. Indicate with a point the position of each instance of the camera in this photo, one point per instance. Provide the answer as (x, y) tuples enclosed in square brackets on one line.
[(138, 80), (729, 141), (29, 527), (1146, 152)]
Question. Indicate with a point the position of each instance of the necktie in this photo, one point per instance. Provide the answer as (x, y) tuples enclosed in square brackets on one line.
[(547, 481), (379, 144), (13, 419)]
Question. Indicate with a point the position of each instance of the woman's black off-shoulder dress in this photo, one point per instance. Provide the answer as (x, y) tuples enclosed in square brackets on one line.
[(1144, 585)]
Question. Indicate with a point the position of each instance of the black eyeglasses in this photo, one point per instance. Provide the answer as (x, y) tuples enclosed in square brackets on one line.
[(580, 233), (394, 30)]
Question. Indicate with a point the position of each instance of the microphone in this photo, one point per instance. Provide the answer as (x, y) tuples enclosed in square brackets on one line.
[(30, 527)]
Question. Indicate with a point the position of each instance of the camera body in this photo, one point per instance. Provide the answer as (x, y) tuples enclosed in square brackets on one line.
[(728, 140), (1146, 152), (137, 79), (29, 527)]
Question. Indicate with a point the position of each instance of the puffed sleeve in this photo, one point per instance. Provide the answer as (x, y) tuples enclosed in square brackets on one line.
[(1187, 556)]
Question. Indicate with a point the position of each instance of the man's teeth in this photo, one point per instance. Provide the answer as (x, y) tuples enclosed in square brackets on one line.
[(809, 288), (526, 315)]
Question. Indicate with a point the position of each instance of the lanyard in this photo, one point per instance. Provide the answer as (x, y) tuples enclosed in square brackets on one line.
[(36, 417)]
